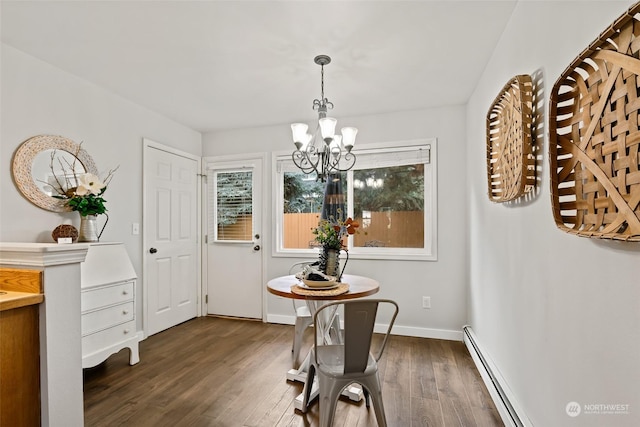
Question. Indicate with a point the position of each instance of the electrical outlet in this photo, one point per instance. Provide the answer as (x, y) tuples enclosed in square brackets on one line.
[(426, 302)]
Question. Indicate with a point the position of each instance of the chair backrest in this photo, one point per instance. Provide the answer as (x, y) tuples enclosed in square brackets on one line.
[(359, 321), (299, 266)]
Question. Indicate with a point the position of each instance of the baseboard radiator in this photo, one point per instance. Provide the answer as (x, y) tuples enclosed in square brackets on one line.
[(506, 408)]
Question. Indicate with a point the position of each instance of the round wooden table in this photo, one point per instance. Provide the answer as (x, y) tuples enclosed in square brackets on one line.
[(359, 287)]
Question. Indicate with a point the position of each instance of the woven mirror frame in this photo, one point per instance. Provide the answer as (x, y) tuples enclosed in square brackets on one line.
[(510, 160), (594, 137), (23, 160)]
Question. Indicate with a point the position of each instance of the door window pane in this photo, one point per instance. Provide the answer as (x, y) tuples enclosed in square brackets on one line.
[(234, 206)]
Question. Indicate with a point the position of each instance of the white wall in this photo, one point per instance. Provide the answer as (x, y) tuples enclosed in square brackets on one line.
[(405, 281), (40, 99), (559, 315)]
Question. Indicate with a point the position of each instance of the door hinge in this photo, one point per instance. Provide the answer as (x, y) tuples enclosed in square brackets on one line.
[(206, 238), (206, 299)]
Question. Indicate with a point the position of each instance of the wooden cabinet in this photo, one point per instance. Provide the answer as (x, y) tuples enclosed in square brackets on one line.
[(20, 296), (108, 301)]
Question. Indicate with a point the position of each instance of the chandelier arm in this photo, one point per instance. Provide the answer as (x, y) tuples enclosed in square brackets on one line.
[(350, 160), (333, 161), (307, 162)]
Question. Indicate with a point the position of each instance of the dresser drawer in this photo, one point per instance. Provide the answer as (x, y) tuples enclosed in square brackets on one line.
[(107, 317), (108, 337), (107, 295)]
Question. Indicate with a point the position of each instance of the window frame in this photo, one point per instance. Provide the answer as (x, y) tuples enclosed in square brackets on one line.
[(210, 172), (428, 253)]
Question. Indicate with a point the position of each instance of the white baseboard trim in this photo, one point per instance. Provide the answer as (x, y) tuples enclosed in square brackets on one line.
[(506, 403), (412, 331), (409, 331), (281, 319)]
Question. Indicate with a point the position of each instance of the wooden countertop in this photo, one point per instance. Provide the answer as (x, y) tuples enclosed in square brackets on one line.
[(19, 288), (10, 299)]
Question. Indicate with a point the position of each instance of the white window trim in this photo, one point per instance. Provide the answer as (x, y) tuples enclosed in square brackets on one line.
[(225, 166), (428, 253)]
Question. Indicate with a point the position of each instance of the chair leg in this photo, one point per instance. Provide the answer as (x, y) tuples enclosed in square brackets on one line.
[(330, 390), (308, 386), (372, 384)]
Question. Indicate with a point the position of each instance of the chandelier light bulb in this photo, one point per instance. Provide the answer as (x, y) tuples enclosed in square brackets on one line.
[(349, 137), (335, 147), (327, 128), (299, 132), (306, 139)]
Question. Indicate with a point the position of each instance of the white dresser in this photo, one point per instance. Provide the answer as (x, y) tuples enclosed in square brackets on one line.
[(108, 301)]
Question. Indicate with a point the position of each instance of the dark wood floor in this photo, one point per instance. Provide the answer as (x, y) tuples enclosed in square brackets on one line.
[(226, 372)]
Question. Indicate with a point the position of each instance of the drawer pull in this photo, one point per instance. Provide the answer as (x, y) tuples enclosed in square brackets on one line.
[(126, 331), (125, 292), (125, 311)]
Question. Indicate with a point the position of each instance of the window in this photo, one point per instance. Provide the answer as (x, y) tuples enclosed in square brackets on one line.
[(231, 194), (391, 192)]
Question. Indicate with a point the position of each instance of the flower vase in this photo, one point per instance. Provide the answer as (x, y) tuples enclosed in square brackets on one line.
[(88, 229), (330, 261)]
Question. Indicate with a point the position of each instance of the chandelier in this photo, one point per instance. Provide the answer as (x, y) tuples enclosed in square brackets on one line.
[(323, 152)]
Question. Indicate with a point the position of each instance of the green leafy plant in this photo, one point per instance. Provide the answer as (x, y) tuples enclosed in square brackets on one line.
[(86, 198), (330, 233)]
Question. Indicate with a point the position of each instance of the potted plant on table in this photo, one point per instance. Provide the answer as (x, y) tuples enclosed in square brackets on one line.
[(330, 234)]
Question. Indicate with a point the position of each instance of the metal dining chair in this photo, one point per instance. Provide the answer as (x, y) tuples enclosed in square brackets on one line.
[(339, 365)]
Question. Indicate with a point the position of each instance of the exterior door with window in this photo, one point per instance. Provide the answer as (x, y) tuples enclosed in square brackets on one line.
[(234, 247)]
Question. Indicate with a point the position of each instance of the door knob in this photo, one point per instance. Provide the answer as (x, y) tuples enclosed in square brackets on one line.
[(256, 248), (153, 250)]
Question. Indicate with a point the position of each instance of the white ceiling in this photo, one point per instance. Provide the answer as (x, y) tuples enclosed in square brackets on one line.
[(214, 65)]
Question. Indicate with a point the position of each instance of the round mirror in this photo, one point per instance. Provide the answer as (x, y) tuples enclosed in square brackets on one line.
[(45, 164)]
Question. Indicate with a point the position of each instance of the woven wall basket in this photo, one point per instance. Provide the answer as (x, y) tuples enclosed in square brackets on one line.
[(594, 137), (510, 161)]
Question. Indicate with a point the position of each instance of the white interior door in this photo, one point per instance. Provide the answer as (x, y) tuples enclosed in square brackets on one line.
[(234, 249), (170, 237)]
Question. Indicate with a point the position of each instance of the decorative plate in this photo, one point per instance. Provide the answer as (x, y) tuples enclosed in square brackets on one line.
[(333, 285), (317, 284)]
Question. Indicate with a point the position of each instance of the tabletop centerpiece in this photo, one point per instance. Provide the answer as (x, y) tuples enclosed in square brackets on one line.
[(330, 234)]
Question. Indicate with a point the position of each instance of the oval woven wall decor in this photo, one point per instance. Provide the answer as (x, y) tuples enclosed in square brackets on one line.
[(23, 160), (594, 137), (510, 160)]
